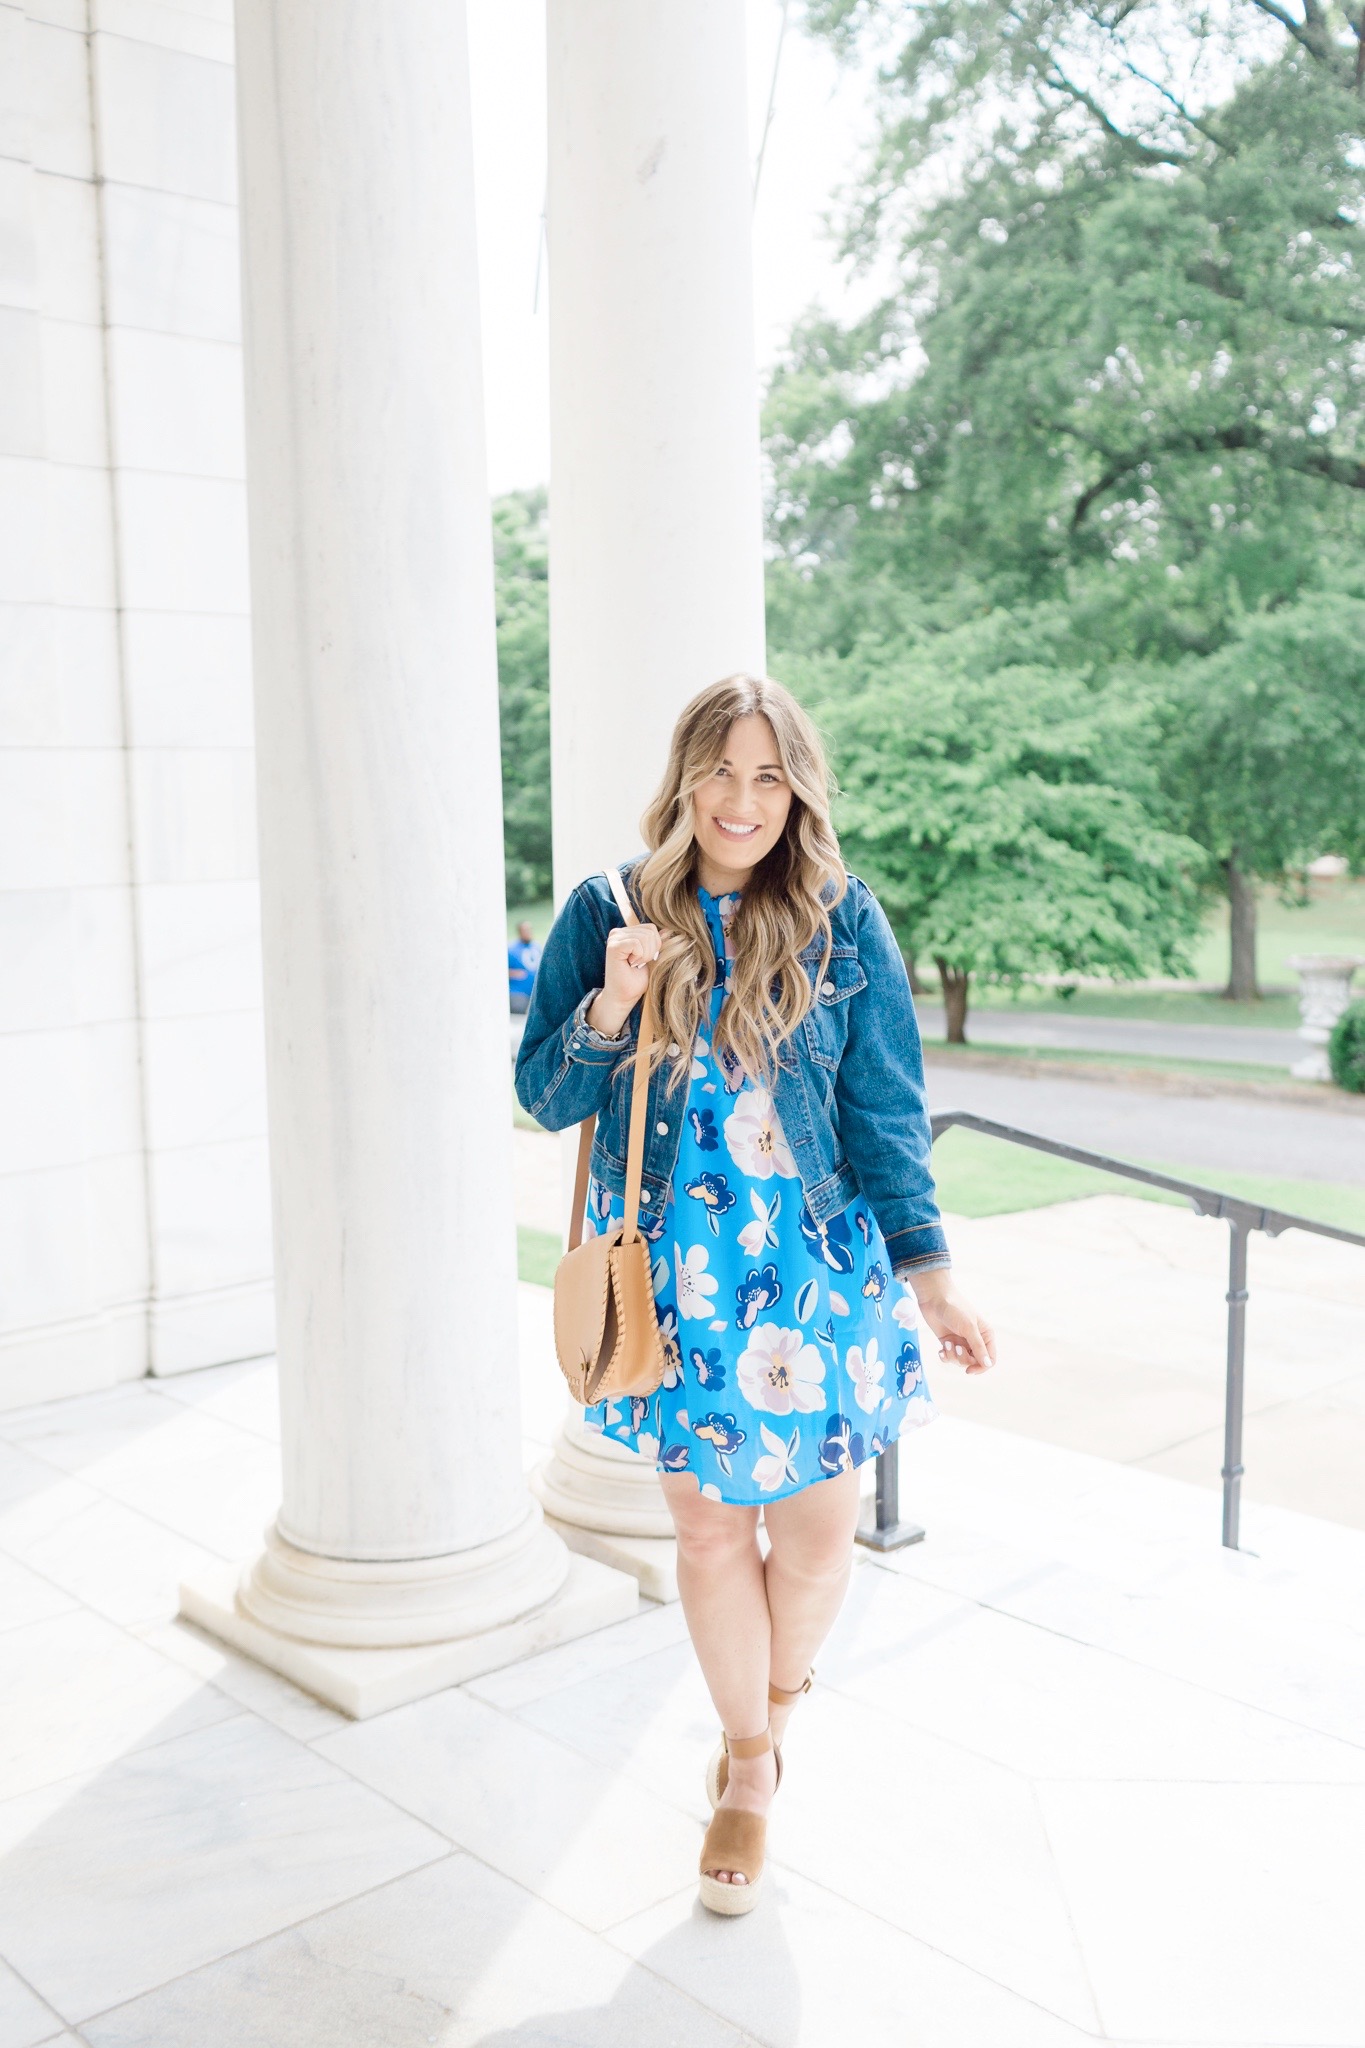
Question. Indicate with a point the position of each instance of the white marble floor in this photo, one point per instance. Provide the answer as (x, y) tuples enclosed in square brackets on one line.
[(1070, 1773)]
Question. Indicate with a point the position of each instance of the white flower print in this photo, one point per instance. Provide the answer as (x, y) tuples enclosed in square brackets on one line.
[(726, 909), (711, 1490), (905, 1311), (700, 1050), (695, 1284), (865, 1370), (759, 1235), (780, 1371), (916, 1415), (755, 1138), (780, 1463), (647, 1445), (668, 1331)]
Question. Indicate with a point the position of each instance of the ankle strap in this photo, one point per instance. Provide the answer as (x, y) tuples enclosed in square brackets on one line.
[(779, 1697), (748, 1745)]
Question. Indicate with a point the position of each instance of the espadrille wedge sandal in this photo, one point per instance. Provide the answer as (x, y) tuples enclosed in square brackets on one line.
[(735, 1840), (717, 1772)]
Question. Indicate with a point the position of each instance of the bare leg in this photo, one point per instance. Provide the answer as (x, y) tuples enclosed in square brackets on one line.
[(806, 1575), (721, 1586)]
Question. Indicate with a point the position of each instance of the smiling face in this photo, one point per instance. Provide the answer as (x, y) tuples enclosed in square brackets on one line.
[(740, 811)]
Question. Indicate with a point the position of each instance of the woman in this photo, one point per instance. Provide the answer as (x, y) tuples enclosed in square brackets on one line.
[(788, 1188)]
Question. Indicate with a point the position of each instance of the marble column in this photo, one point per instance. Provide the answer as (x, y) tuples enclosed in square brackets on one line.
[(656, 562), (408, 1553)]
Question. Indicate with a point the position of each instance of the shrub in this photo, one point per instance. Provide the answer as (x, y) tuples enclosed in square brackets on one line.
[(1346, 1049)]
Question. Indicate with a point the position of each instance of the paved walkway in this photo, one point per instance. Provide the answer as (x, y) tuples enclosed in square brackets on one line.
[(1070, 1773), (1206, 1131), (1112, 1326), (1251, 1044)]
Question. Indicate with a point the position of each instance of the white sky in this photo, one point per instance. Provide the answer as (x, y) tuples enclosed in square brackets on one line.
[(822, 118)]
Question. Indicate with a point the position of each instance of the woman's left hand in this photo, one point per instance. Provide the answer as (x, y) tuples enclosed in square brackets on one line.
[(964, 1337)]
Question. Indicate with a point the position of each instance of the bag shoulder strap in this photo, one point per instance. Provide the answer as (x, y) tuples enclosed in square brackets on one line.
[(618, 890), (635, 1145)]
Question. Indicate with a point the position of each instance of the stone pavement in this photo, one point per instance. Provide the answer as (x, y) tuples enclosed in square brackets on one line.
[(1112, 1327), (1070, 1773)]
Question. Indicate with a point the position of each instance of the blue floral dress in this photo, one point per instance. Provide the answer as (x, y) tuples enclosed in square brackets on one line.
[(791, 1353)]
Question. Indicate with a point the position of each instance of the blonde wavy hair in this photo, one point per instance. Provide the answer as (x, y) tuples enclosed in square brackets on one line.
[(786, 901)]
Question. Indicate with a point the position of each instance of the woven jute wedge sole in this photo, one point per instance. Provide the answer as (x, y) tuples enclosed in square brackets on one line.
[(736, 1841)]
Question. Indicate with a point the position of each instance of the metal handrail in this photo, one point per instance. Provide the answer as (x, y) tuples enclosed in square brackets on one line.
[(1242, 1216)]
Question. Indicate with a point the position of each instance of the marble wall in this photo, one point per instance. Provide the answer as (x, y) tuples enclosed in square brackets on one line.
[(134, 1208)]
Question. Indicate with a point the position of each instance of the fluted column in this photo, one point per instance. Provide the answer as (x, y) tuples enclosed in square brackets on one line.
[(656, 567), (408, 1552)]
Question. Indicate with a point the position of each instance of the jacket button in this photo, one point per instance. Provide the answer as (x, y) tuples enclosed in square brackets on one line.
[(827, 988), (673, 1051), (662, 1129), (644, 1194)]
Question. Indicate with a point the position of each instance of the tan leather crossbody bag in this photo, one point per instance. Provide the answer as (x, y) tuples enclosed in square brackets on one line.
[(607, 1335)]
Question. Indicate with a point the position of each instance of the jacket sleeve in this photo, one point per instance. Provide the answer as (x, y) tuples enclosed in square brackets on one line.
[(883, 1113), (564, 1068)]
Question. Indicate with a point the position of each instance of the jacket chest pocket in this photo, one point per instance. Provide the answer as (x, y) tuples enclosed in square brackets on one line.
[(826, 1022)]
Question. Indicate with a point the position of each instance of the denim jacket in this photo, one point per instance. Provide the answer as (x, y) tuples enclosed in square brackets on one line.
[(848, 1085)]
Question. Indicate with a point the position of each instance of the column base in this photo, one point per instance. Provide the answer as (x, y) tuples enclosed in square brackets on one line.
[(652, 1561), (365, 1682), (395, 1604), (606, 1503)]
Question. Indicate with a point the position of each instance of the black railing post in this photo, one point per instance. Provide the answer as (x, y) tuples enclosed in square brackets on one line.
[(887, 1531), (1236, 1380)]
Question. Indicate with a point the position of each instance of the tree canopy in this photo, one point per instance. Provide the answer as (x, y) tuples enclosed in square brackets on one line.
[(1121, 375), (521, 591), (1268, 736), (1092, 362), (983, 798)]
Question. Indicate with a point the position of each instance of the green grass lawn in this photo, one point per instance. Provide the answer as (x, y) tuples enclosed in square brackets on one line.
[(540, 916), (1133, 1005), (537, 1256), (981, 1176), (1072, 1056), (1333, 921)]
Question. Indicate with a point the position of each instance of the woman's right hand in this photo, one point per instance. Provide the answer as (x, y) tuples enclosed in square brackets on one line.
[(631, 951)]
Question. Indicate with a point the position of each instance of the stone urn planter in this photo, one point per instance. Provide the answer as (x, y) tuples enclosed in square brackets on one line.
[(1324, 992)]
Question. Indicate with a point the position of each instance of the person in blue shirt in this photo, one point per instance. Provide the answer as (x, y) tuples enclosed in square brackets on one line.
[(787, 1191), (523, 958)]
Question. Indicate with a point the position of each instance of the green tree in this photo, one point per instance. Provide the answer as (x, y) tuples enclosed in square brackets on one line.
[(521, 586), (984, 806), (1122, 371), (1145, 391), (1034, 81), (1265, 752)]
